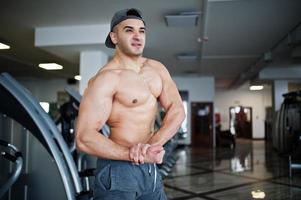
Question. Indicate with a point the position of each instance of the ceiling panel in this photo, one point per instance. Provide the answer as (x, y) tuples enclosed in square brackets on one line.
[(248, 27), (238, 33), (225, 68)]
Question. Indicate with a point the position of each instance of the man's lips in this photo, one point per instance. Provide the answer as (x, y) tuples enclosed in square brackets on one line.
[(136, 44)]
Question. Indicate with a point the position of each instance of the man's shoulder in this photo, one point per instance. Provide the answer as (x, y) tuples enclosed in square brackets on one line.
[(154, 63), (108, 71), (158, 66), (106, 74)]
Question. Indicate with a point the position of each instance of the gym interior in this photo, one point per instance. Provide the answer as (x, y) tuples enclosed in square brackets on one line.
[(237, 66)]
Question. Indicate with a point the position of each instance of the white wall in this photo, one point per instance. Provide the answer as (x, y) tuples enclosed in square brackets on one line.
[(258, 100), (90, 63), (45, 90), (200, 89), (280, 87)]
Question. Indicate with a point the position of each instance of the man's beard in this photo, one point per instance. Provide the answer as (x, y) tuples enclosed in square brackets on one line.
[(128, 51)]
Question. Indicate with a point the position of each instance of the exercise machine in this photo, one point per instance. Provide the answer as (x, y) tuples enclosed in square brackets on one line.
[(14, 157), (18, 104), (287, 134)]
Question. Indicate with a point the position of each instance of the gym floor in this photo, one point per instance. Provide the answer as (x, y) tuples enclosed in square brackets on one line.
[(251, 171)]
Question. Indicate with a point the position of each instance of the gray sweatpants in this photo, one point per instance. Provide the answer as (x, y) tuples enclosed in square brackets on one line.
[(121, 180)]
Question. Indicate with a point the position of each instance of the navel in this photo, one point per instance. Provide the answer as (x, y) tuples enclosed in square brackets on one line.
[(135, 101)]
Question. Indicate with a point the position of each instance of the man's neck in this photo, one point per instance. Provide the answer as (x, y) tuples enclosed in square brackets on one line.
[(129, 62)]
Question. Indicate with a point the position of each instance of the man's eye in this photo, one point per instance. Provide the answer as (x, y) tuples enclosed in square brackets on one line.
[(128, 30)]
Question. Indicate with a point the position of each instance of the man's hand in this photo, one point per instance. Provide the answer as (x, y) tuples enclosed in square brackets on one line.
[(154, 154), (141, 153), (138, 152)]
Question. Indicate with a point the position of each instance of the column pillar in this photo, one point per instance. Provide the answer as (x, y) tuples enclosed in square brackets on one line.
[(90, 63), (279, 87)]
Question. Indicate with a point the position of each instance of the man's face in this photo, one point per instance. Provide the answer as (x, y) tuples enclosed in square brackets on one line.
[(130, 37)]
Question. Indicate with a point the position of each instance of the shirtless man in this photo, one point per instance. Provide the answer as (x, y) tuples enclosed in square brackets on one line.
[(124, 94)]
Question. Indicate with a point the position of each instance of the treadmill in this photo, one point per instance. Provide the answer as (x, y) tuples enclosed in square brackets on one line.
[(15, 158), (18, 104)]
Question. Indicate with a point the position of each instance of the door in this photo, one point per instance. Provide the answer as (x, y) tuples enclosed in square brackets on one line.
[(241, 121), (202, 124)]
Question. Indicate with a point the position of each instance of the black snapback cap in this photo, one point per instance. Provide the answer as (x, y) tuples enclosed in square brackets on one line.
[(131, 13)]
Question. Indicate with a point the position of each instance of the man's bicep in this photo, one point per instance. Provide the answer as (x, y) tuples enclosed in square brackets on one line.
[(170, 93), (96, 105), (94, 111)]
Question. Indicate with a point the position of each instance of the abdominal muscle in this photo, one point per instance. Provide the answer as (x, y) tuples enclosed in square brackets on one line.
[(132, 125)]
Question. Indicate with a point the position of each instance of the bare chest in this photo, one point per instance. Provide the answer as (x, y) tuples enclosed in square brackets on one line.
[(136, 88)]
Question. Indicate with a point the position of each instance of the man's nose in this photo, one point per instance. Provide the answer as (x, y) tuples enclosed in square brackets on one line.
[(137, 35)]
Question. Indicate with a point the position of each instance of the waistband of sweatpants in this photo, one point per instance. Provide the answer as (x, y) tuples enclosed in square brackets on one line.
[(101, 162), (147, 167)]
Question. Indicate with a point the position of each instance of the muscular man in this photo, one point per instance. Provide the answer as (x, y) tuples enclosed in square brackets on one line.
[(124, 94)]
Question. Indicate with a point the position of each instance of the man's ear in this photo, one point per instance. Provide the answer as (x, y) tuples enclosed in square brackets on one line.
[(113, 36)]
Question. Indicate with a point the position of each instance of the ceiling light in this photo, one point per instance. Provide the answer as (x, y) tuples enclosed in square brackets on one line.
[(186, 19), (191, 13), (256, 87), (50, 66), (187, 56), (222, 0), (78, 77), (4, 46)]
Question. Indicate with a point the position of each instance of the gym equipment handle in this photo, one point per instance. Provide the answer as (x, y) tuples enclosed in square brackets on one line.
[(9, 156), (83, 195), (87, 172)]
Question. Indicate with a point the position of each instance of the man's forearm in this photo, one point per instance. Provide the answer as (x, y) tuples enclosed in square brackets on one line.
[(171, 124), (97, 145), (102, 147)]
